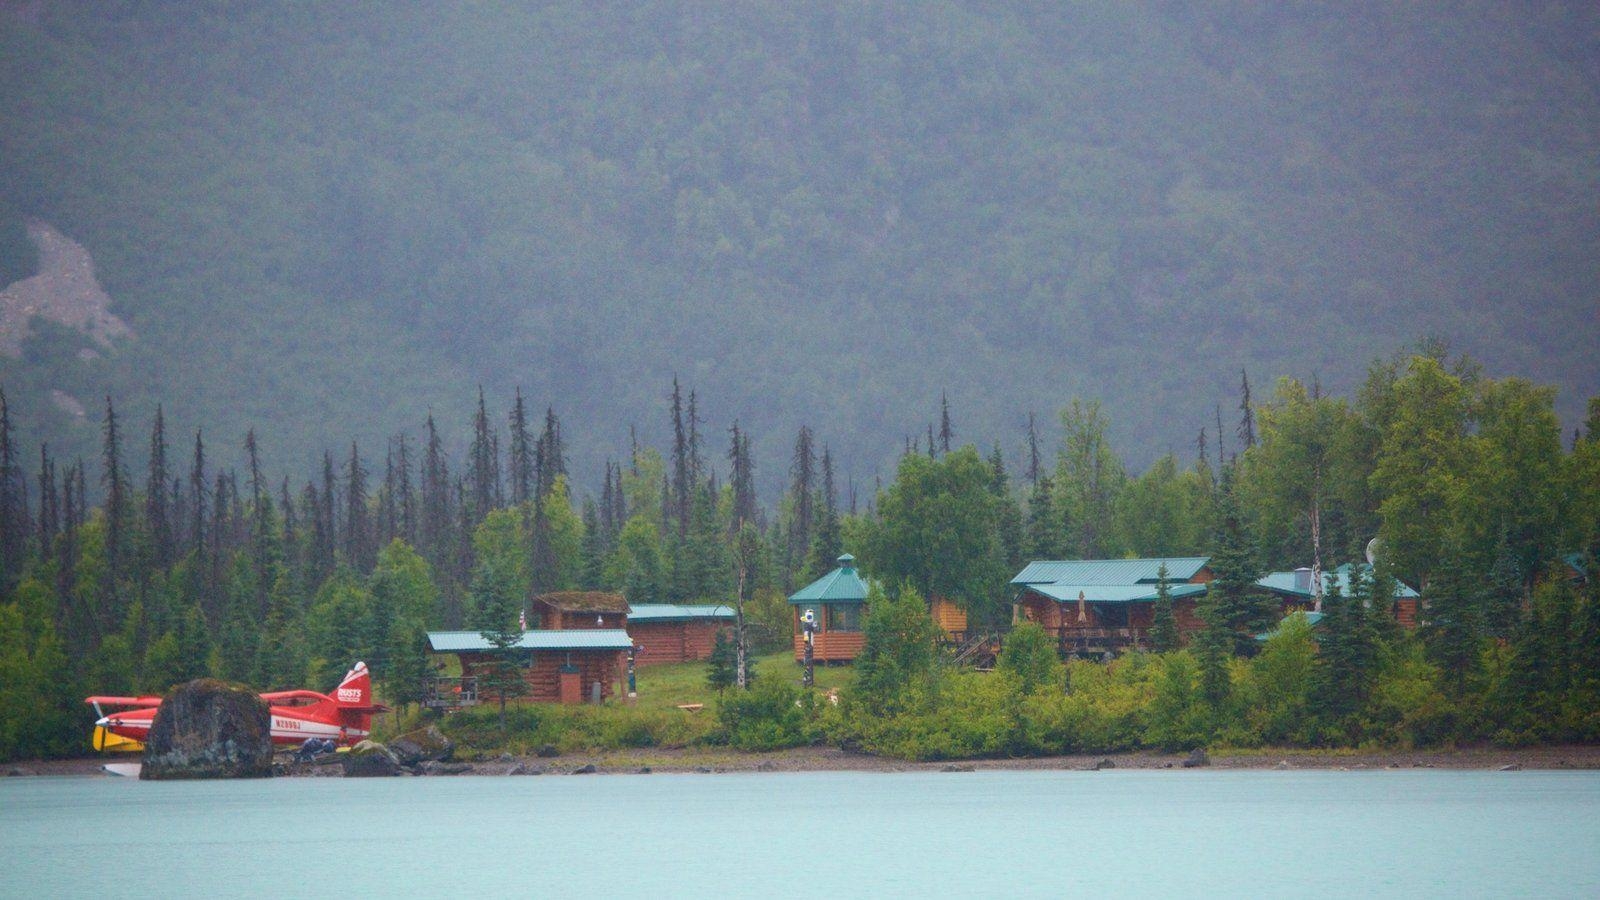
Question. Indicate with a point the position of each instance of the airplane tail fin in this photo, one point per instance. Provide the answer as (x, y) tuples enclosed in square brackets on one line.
[(353, 698), (356, 688)]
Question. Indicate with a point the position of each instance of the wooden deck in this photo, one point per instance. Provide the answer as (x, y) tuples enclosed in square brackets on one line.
[(451, 693), (1100, 641)]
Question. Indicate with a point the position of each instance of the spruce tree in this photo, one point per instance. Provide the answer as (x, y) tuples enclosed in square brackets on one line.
[(115, 481), (720, 664), (827, 543), (14, 517), (1044, 535), (1247, 413), (388, 513), (1452, 630), (405, 497), (358, 534), (480, 465), (1234, 603), (1034, 471), (1505, 592), (802, 493), (1348, 649), (1164, 628), (743, 478), (542, 563), (946, 432), (592, 550), (436, 529), (49, 504), (158, 525), (497, 609), (607, 504), (696, 460), (522, 468), (681, 477), (1009, 537), (264, 549), (550, 455), (199, 488), (1213, 650)]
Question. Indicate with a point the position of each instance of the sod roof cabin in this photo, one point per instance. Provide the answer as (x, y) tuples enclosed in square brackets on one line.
[(579, 609)]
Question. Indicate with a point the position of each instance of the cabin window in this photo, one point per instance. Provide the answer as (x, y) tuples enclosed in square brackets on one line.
[(844, 617), (1113, 615)]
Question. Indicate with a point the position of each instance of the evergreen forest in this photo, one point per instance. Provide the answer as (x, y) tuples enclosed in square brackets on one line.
[(188, 566)]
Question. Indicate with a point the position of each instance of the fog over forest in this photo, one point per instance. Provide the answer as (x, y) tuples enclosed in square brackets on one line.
[(324, 220)]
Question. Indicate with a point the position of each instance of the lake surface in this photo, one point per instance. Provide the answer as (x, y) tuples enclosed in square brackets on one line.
[(1115, 833)]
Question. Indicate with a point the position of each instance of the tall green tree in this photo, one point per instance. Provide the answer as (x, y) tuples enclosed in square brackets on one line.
[(936, 531), (1453, 630), (1349, 647), (1234, 606), (1422, 467), (899, 648), (498, 610), (1164, 628), (1089, 478)]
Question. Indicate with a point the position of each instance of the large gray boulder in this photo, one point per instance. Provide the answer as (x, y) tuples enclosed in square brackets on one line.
[(423, 745), (209, 729), (370, 759)]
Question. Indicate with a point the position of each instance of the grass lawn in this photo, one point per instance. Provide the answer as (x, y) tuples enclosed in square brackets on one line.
[(652, 721), (667, 686)]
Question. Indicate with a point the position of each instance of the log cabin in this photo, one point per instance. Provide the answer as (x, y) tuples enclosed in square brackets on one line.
[(1099, 606), (1293, 590), (560, 666), (836, 601), (668, 632)]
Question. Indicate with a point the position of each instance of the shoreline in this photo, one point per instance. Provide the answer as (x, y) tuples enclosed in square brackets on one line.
[(825, 759)]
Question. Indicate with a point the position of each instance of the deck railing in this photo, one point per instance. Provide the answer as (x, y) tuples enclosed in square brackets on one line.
[(451, 693), (1101, 640)]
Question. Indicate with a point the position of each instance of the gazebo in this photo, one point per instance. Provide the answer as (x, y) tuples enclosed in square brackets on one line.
[(836, 601)]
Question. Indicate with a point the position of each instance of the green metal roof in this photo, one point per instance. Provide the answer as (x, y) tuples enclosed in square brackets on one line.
[(1284, 583), (1574, 562), (542, 639), (672, 612), (1109, 571), (842, 585), (1112, 593)]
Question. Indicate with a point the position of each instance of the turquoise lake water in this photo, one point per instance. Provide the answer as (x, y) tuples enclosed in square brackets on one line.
[(843, 834)]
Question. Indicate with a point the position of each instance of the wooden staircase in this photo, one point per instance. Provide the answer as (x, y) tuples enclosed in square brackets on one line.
[(977, 649)]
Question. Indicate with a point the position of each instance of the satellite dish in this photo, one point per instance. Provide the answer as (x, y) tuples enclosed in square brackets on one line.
[(1372, 552)]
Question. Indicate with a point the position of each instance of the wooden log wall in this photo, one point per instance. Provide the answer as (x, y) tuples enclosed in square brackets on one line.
[(669, 642), (605, 666)]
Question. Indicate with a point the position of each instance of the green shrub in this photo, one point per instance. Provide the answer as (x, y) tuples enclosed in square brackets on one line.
[(774, 715)]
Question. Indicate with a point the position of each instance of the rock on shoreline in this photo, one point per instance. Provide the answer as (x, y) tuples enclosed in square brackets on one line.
[(209, 729)]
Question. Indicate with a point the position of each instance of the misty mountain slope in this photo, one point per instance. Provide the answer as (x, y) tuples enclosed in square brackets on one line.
[(323, 221)]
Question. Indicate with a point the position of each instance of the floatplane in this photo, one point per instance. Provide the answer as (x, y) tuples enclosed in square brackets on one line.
[(344, 717)]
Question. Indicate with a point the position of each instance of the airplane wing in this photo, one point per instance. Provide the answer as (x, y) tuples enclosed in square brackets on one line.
[(124, 701), (275, 696)]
